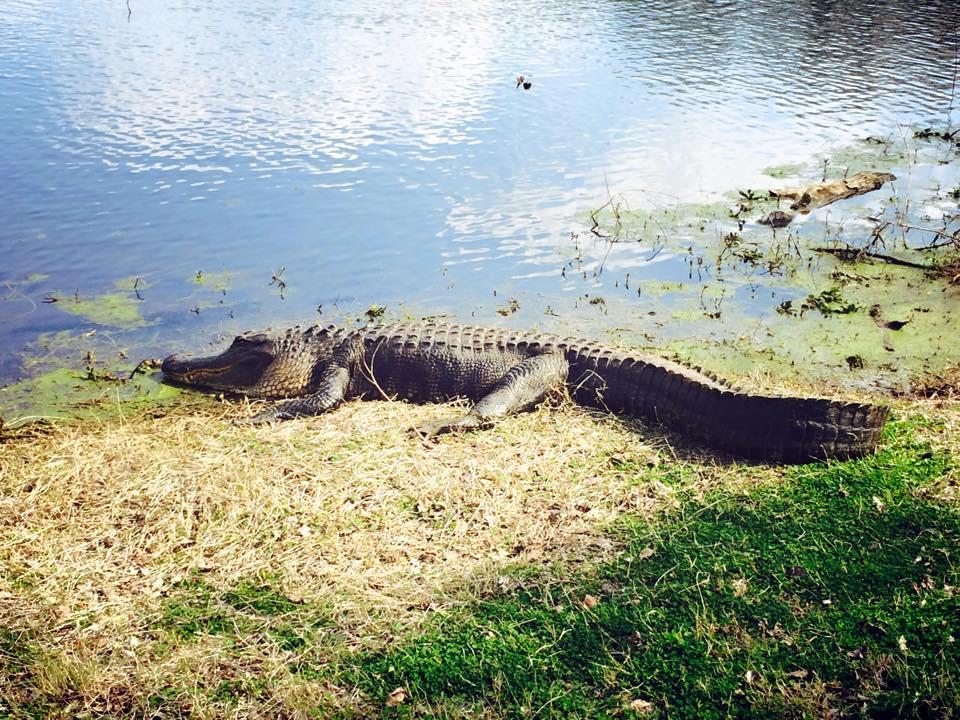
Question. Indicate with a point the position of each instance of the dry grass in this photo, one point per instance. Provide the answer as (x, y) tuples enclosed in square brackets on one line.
[(100, 524), (345, 506)]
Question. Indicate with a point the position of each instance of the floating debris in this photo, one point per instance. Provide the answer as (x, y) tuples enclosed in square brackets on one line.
[(810, 197), (776, 219)]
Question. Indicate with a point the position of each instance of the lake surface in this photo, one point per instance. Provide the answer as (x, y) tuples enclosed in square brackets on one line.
[(227, 166)]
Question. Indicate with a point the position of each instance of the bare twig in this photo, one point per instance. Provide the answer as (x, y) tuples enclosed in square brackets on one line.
[(853, 254), (953, 82)]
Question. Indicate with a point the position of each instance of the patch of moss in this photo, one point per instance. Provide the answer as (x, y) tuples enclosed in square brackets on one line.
[(197, 608), (260, 598), (193, 610)]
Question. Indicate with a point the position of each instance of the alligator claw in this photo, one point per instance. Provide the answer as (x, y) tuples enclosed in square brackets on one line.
[(262, 418), (430, 431)]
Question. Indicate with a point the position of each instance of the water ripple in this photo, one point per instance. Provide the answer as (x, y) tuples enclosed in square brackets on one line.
[(366, 146)]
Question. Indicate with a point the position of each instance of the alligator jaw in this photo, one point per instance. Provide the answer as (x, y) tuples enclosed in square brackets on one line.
[(190, 371), (230, 370)]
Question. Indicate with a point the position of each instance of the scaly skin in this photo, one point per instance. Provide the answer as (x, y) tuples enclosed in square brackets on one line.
[(503, 372)]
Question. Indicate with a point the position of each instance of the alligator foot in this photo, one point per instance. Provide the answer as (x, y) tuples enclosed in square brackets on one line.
[(429, 431)]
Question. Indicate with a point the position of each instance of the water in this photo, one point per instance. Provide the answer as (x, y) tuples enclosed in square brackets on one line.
[(356, 152)]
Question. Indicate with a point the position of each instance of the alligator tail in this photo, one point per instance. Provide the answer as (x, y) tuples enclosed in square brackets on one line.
[(773, 429)]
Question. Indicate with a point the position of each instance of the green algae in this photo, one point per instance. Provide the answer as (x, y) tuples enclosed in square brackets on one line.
[(88, 374), (59, 349), (219, 281), (65, 393), (658, 223), (118, 309), (659, 288), (31, 279), (868, 154), (757, 300), (15, 288), (879, 154), (132, 284), (813, 346), (784, 171)]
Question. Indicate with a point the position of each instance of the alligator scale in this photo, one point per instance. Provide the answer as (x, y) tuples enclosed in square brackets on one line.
[(312, 370)]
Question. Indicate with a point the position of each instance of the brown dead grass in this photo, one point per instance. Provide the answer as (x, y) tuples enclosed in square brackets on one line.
[(345, 506), (941, 387)]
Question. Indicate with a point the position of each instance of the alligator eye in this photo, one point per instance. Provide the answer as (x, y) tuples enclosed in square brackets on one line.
[(251, 339)]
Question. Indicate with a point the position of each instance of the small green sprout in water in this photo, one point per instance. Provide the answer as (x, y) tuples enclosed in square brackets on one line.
[(277, 279), (375, 311), (829, 302), (786, 308), (512, 306), (750, 256)]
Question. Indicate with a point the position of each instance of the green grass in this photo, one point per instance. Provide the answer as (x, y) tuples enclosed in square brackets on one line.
[(197, 608), (832, 590)]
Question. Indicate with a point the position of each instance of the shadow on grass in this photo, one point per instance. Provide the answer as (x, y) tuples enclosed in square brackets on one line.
[(832, 593)]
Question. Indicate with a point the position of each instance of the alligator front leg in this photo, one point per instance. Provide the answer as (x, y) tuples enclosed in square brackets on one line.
[(522, 387), (332, 387), (331, 393)]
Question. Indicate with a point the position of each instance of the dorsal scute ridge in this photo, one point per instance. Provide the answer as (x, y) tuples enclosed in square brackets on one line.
[(428, 333)]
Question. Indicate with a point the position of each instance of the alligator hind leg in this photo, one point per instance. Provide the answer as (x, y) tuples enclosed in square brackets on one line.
[(522, 387)]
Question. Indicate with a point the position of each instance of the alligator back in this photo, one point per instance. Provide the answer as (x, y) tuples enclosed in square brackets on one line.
[(436, 361)]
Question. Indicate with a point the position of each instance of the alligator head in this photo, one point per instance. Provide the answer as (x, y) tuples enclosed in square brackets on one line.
[(256, 364)]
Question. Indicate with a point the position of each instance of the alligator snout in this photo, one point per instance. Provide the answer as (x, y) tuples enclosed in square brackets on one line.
[(170, 365), (176, 368)]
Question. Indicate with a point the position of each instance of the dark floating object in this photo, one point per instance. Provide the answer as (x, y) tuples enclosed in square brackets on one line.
[(876, 312), (521, 80), (776, 219)]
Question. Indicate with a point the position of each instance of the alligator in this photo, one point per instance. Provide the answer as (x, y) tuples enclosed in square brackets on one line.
[(312, 370)]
